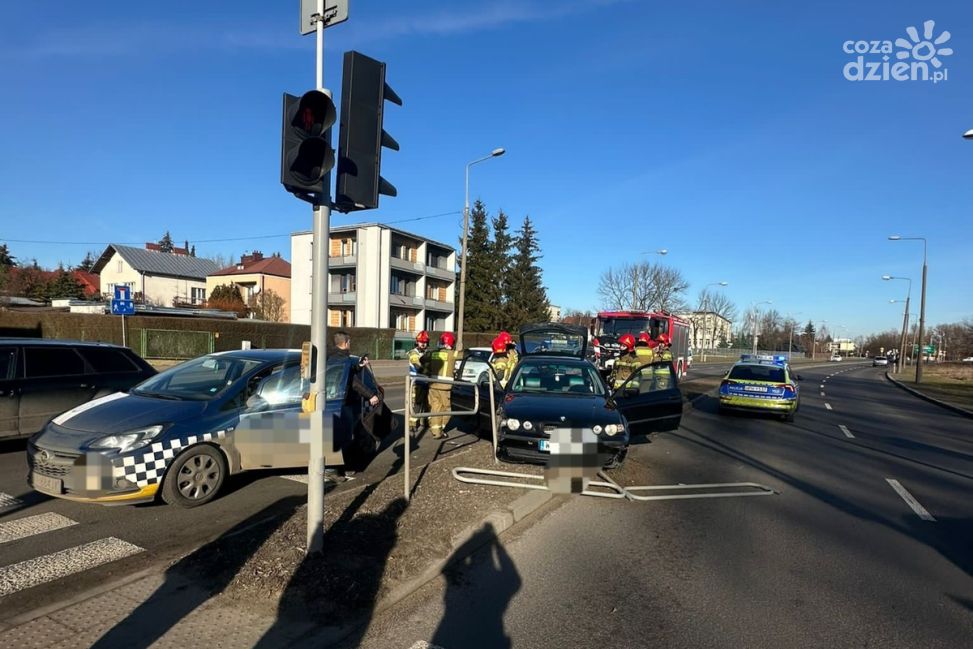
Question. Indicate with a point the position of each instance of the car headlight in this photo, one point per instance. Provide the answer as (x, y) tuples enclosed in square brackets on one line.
[(123, 442), (512, 424), (597, 429), (528, 426), (612, 429)]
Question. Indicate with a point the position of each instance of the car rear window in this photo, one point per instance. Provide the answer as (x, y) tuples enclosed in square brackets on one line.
[(108, 360), (52, 361), (758, 373)]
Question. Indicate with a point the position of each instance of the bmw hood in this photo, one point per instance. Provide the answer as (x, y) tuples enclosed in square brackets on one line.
[(120, 412), (574, 409)]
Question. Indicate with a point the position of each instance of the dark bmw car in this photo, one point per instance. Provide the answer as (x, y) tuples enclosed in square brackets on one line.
[(554, 386), (182, 432)]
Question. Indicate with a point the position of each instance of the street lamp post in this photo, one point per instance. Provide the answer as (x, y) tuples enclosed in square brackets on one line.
[(705, 301), (753, 312), (922, 302), (814, 339), (466, 229), (905, 316)]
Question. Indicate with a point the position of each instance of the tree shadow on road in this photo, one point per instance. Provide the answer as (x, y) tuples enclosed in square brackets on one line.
[(481, 582)]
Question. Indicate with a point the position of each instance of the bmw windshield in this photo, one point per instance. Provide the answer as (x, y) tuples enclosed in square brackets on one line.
[(550, 376), (200, 379)]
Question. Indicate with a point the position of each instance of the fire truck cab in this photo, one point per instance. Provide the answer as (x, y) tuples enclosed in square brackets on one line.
[(610, 325)]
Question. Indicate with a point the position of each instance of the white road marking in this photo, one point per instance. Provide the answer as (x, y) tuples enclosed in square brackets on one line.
[(31, 525), (827, 405), (296, 478), (7, 501), (910, 500), (844, 429), (33, 572), (399, 410), (821, 386), (422, 644), (822, 394)]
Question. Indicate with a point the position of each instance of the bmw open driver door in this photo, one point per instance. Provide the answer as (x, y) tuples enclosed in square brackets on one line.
[(650, 399)]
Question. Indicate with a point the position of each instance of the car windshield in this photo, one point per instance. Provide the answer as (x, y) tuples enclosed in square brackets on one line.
[(552, 342), (758, 373), (553, 377), (482, 355), (200, 379), (619, 326)]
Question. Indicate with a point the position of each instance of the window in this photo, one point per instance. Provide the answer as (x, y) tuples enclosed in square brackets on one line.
[(198, 295), (343, 283), (52, 361), (108, 360), (119, 266), (758, 373), (8, 363)]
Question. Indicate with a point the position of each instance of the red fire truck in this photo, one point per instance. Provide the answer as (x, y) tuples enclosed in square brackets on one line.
[(609, 325)]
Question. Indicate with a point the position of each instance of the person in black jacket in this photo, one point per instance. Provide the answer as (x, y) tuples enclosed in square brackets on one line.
[(342, 343)]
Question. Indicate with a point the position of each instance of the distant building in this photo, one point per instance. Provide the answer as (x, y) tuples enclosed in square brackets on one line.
[(553, 313), (255, 274), (378, 277), (157, 278), (707, 329)]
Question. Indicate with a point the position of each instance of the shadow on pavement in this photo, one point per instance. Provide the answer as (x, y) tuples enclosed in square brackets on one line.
[(473, 615), (176, 598)]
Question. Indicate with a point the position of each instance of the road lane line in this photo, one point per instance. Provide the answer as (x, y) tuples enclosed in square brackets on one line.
[(31, 525), (844, 429), (33, 572), (827, 405), (821, 386), (910, 500), (399, 410), (822, 394), (7, 501)]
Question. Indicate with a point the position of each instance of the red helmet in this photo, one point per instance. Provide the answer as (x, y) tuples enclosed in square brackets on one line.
[(664, 339), (653, 344), (447, 339), (627, 341), (499, 345), (505, 337), (645, 338), (422, 336)]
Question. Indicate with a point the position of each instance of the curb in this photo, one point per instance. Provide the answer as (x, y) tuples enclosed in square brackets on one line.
[(926, 397), (467, 540)]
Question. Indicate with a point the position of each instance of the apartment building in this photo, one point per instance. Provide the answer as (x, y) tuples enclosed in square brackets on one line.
[(380, 277), (707, 329)]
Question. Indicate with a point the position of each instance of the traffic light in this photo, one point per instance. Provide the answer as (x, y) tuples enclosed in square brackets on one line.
[(360, 136), (306, 155)]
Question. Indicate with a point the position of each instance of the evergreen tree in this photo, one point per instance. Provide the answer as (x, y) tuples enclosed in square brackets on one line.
[(165, 243), (528, 297), (63, 285), (192, 251), (226, 297), (500, 269), (87, 263), (480, 312), (6, 259)]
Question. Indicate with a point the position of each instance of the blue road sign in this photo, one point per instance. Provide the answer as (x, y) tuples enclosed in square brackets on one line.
[(122, 307), (123, 293)]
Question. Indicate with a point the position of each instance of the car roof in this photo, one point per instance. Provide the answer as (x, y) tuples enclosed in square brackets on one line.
[(261, 354), (57, 342)]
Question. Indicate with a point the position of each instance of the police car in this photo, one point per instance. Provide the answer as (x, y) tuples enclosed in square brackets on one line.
[(761, 383)]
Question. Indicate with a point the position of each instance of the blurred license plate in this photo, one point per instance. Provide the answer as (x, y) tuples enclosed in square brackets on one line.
[(46, 484), (544, 445), (755, 388)]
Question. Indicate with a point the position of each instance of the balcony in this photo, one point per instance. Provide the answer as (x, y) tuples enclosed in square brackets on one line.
[(409, 301), (441, 273), (436, 305), (348, 297), (405, 264), (345, 261)]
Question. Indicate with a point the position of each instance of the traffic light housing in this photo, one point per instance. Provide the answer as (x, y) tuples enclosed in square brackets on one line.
[(361, 136), (306, 155)]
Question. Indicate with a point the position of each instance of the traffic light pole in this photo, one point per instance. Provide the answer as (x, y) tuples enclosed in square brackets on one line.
[(320, 426)]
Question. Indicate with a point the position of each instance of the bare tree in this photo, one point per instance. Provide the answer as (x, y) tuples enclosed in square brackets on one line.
[(643, 287), (267, 305)]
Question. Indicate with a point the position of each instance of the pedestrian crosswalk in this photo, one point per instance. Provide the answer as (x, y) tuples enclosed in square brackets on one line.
[(18, 533)]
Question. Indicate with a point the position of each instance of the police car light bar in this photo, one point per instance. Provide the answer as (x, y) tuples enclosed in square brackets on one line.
[(764, 358)]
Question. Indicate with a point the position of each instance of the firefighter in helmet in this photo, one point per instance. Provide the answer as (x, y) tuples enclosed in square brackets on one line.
[(500, 361), (511, 348), (420, 391), (627, 363), (645, 349), (663, 354), (438, 364)]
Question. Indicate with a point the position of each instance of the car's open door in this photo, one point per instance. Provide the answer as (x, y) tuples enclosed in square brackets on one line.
[(650, 399)]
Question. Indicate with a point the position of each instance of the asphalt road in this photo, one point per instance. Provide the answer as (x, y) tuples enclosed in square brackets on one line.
[(868, 542)]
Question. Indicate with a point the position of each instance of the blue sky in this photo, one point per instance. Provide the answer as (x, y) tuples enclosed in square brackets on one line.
[(723, 132)]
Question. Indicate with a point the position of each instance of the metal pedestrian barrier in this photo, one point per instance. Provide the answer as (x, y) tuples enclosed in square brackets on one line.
[(463, 474)]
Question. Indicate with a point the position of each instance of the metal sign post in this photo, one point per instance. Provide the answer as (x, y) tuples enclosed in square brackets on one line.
[(123, 305)]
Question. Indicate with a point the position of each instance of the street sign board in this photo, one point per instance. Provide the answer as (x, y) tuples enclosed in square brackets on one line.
[(122, 307), (123, 292), (335, 11)]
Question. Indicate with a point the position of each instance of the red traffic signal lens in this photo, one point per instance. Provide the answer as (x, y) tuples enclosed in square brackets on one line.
[(314, 115)]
